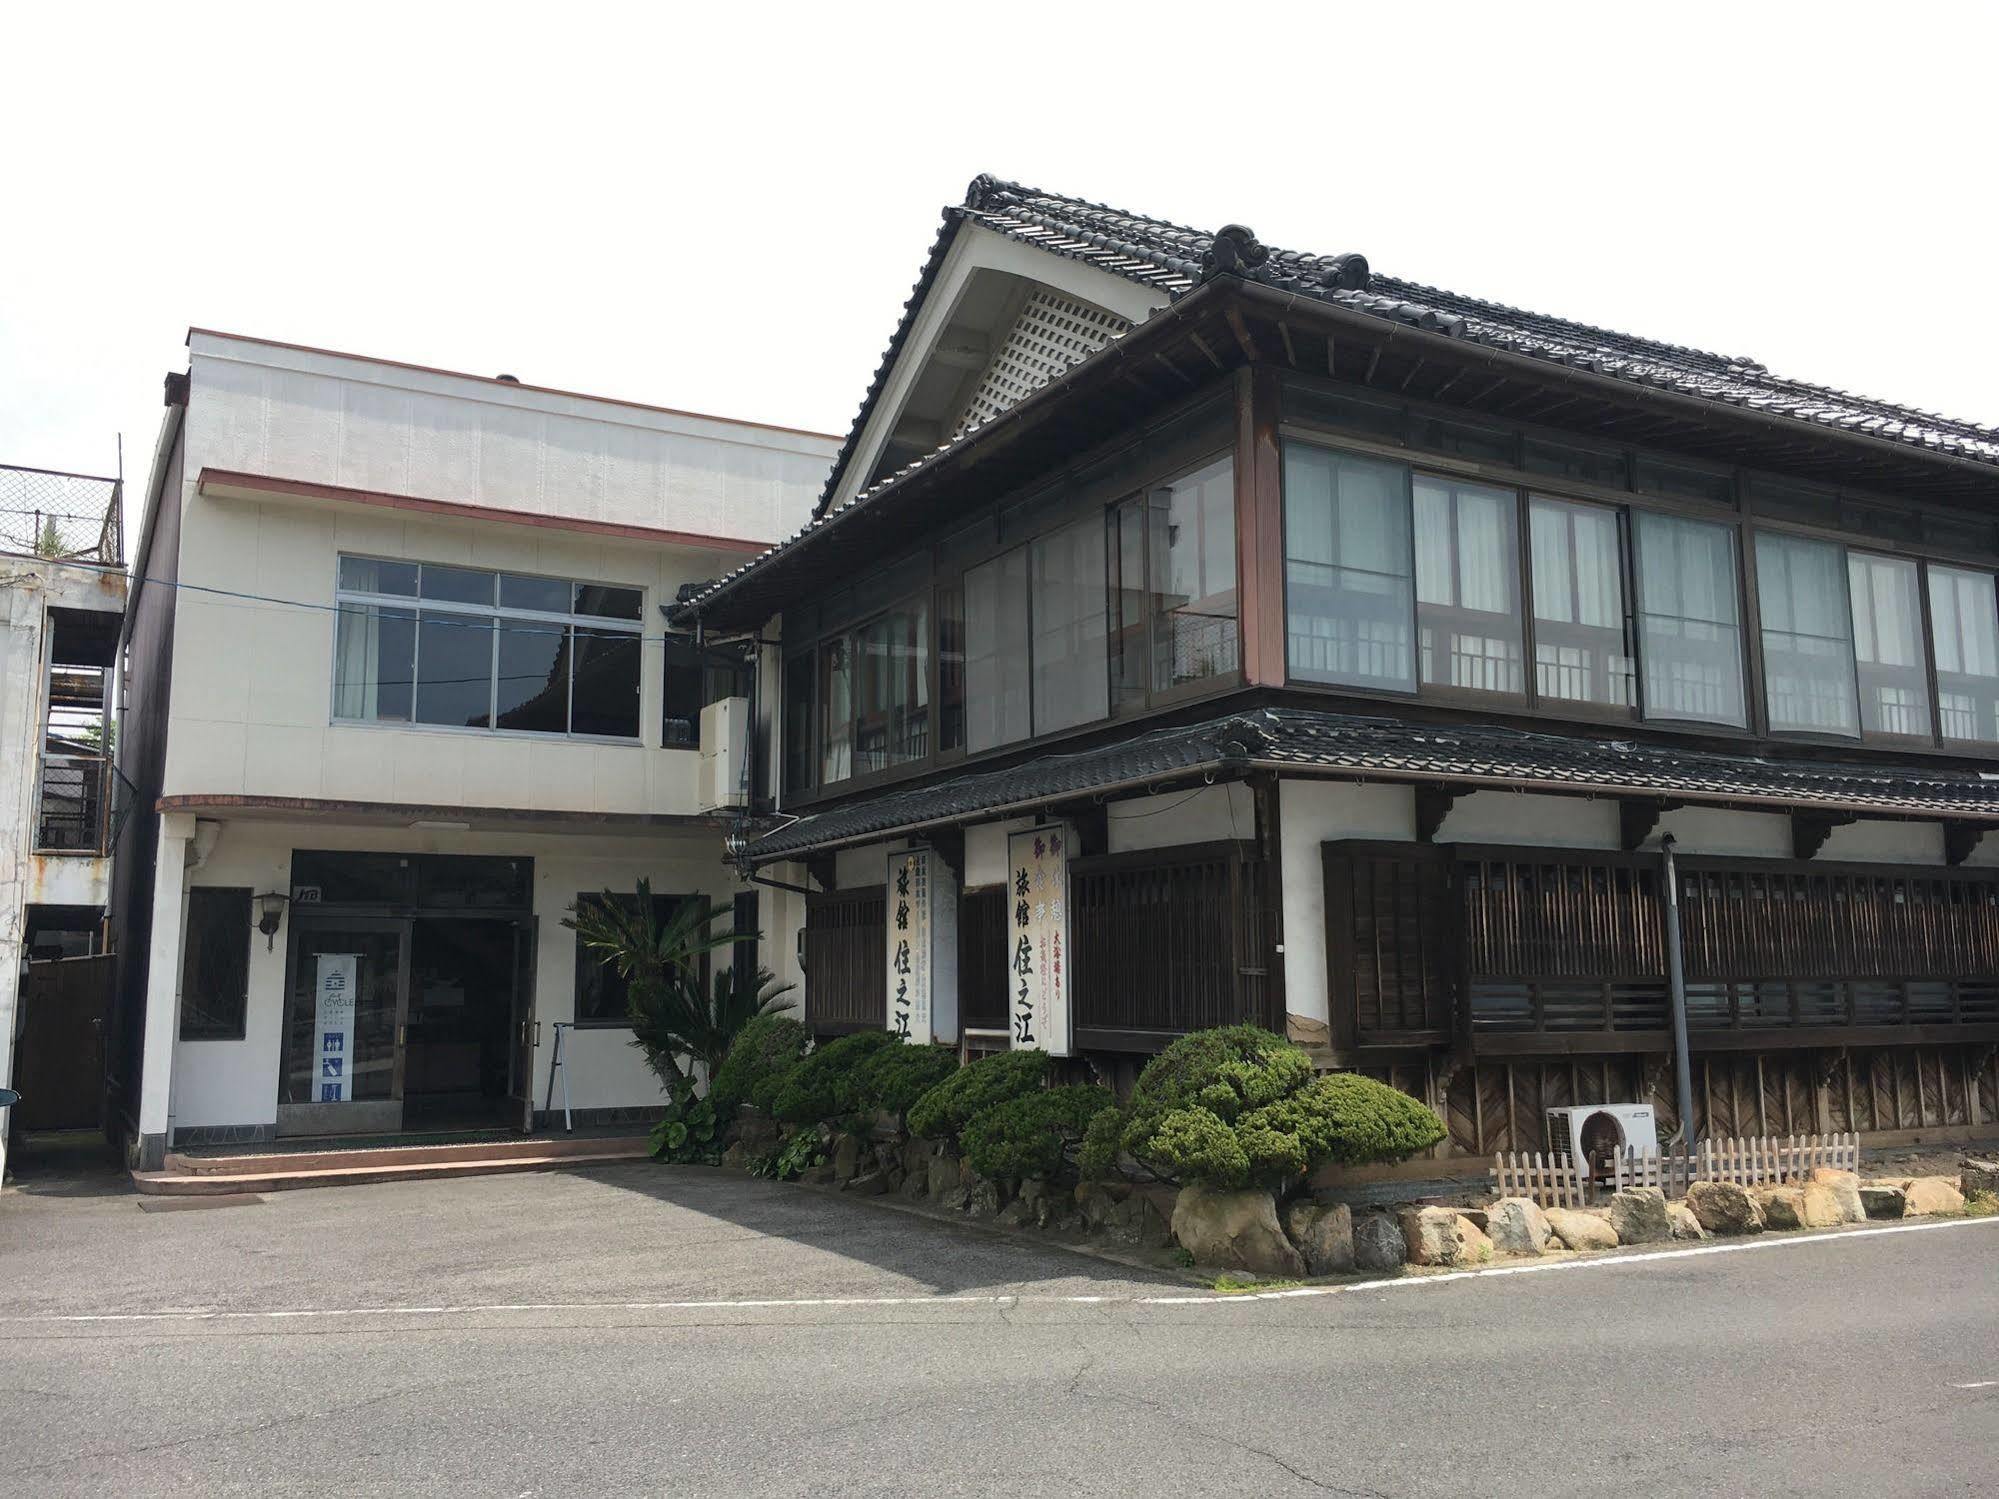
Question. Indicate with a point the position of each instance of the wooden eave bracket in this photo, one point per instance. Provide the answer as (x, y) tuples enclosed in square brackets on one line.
[(1809, 830), (1960, 839), (822, 869), (1638, 818), (1433, 805)]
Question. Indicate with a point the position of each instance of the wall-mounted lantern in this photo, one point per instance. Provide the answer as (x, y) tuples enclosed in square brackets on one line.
[(270, 914)]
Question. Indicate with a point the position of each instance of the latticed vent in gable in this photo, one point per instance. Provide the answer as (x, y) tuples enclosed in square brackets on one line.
[(1051, 333)]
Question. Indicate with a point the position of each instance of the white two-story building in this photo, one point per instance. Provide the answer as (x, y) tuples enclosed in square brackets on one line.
[(399, 692)]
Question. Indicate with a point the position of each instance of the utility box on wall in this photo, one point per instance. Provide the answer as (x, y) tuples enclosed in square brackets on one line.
[(725, 736)]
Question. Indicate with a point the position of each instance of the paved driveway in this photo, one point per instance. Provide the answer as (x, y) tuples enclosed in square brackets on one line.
[(636, 1329)]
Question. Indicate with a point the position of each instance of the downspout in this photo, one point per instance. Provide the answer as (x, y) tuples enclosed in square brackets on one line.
[(1676, 989)]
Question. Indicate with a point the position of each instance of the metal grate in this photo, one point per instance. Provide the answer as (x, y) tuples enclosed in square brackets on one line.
[(1051, 333), (66, 517)]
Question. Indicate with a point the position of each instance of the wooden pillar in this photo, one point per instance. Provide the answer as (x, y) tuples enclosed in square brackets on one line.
[(1259, 510)]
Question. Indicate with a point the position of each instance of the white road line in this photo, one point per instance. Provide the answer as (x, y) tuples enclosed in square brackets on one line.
[(1977, 1384), (1533, 1267)]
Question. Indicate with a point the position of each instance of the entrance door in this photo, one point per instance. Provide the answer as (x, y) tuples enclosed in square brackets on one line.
[(345, 1008)]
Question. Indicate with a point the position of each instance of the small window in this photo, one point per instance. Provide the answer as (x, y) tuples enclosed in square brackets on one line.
[(1582, 638), (1658, 477), (1966, 629), (541, 595), (609, 603), (603, 995), (456, 585), (1467, 587), (1689, 622), (1888, 645), (215, 964), (605, 686), (1601, 466), (369, 575)]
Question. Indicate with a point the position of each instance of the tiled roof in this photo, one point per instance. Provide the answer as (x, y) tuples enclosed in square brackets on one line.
[(1388, 750), (1167, 255)]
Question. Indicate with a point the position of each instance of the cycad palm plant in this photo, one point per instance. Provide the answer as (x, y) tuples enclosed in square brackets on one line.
[(674, 1014)]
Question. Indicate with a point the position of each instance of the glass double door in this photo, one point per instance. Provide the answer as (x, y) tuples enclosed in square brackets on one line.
[(353, 1046)]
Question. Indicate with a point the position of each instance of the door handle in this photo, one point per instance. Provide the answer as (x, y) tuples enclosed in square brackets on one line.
[(402, 1035)]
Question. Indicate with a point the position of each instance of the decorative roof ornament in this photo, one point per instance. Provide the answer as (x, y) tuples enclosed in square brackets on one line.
[(1235, 249), (1346, 273)]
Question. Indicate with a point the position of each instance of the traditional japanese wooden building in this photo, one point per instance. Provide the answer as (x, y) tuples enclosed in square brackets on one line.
[(1364, 642)]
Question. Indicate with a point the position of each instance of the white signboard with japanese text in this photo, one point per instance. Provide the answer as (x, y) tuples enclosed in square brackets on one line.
[(333, 1026), (1037, 947), (922, 947)]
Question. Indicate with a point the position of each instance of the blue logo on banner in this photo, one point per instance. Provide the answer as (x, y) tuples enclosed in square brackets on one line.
[(329, 1066), (332, 1041), (329, 1093)]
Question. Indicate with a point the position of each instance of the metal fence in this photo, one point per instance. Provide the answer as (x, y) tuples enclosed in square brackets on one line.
[(83, 802), (66, 517)]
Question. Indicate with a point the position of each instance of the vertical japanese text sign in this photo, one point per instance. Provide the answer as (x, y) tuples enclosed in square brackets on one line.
[(922, 947), (1037, 948), (333, 1027)]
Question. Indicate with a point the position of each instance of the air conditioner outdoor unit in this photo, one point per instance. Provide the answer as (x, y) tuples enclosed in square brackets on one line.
[(1592, 1133), (725, 726)]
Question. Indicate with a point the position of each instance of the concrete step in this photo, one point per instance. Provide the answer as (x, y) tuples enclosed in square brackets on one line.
[(334, 1168)]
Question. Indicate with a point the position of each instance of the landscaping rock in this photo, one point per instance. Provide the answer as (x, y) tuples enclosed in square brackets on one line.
[(1234, 1231), (1639, 1215), (1931, 1196), (1725, 1208), (1685, 1224), (1578, 1229), (1138, 1221), (1822, 1205), (943, 1177), (1979, 1176), (820, 1175), (1476, 1217), (1516, 1225), (1323, 1232), (1377, 1243), (1016, 1214), (846, 1158), (983, 1200), (869, 1184), (1882, 1201), (1845, 1188), (955, 1200), (1095, 1202), (736, 1157), (1782, 1207), (1036, 1203), (1441, 1236)]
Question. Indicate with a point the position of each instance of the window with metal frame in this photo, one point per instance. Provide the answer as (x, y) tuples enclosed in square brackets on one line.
[(468, 648), (1807, 624)]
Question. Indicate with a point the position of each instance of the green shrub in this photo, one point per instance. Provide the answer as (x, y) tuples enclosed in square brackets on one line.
[(688, 1133), (822, 1086), (1028, 1136), (895, 1077), (944, 1111), (1097, 1156), (790, 1158), (1239, 1106), (767, 1048)]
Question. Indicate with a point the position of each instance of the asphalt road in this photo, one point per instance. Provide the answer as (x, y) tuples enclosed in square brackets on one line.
[(637, 1329)]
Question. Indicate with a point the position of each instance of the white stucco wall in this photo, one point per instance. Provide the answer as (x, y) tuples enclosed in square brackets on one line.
[(252, 677), (1204, 815), (1722, 832), (236, 1082), (1522, 818)]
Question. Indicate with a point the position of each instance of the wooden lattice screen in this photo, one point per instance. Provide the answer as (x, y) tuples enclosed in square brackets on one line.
[(846, 959), (982, 955), (1392, 932)]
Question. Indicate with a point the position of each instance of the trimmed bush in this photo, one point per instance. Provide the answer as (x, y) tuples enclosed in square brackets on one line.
[(944, 1111), (1028, 1137), (767, 1048), (895, 1077), (1097, 1156), (821, 1086), (1239, 1106)]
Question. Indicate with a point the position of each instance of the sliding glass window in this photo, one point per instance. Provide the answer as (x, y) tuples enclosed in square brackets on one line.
[(1468, 587), (1689, 620), (1071, 676), (1807, 626), (1582, 636), (1349, 592), (461, 647), (1965, 625), (892, 724), (1191, 524), (836, 710), (1888, 646), (996, 652)]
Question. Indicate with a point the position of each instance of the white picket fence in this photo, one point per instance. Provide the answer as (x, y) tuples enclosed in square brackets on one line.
[(1555, 1180)]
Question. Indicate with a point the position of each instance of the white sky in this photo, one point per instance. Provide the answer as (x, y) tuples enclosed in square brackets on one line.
[(723, 209)]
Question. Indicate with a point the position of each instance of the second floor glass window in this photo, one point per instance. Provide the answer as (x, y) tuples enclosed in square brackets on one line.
[(1808, 658), (1582, 638), (997, 687), (458, 647), (892, 724), (1071, 679), (1966, 627), (1689, 620), (1192, 530), (1348, 573), (1888, 645), (1467, 587)]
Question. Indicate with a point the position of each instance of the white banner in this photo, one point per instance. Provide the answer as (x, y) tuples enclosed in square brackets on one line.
[(1037, 951), (922, 947), (333, 1027)]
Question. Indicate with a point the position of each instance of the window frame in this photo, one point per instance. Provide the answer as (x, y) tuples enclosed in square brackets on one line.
[(356, 600), (240, 1031)]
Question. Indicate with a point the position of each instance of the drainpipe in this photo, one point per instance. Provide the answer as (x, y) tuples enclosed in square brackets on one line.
[(1676, 988)]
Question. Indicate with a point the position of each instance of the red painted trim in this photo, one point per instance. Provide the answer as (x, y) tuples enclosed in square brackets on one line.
[(547, 390), (304, 489)]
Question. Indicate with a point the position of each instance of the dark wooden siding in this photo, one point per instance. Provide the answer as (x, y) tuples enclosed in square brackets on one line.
[(846, 960), (982, 959), (1392, 936), (1169, 940)]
